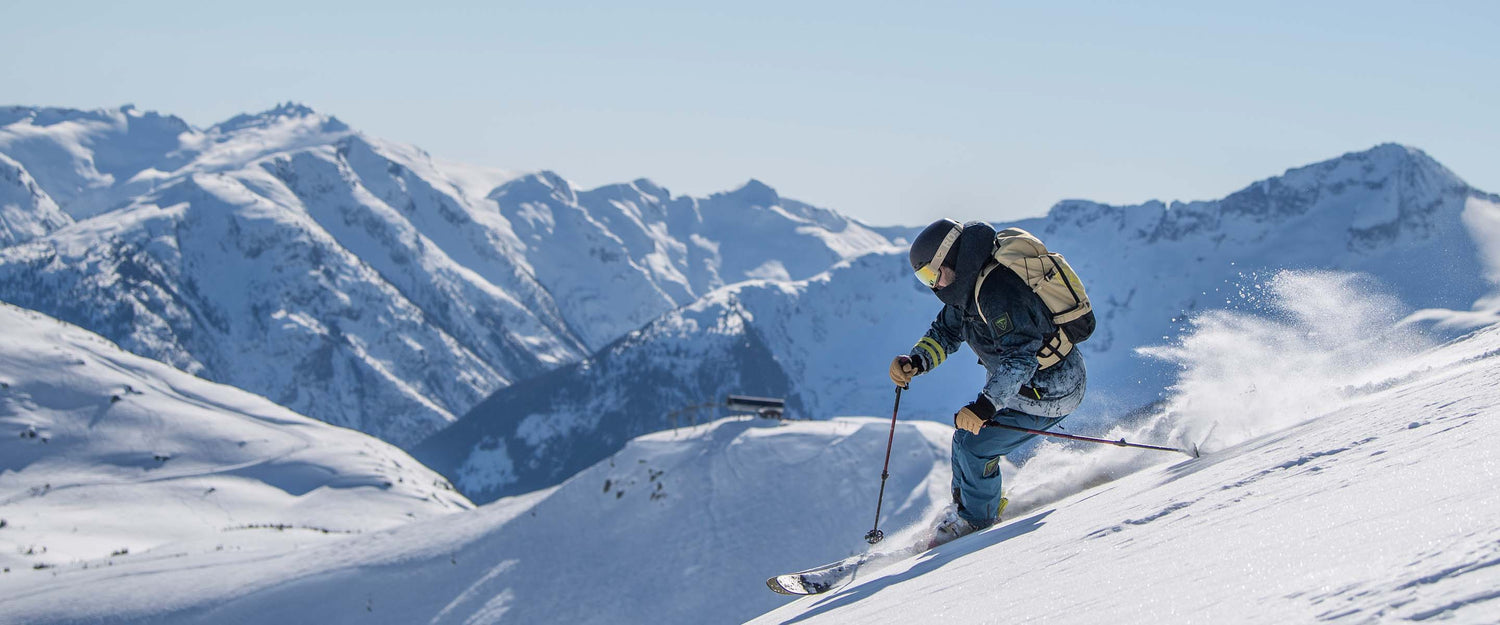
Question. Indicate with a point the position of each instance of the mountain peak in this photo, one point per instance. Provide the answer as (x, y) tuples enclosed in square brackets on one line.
[(536, 186), (756, 193), (42, 116), (645, 185), (288, 109), (1393, 152), (1374, 165), (1373, 191), (281, 113)]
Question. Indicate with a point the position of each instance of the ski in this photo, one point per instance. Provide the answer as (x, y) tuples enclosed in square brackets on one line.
[(813, 581), (818, 580)]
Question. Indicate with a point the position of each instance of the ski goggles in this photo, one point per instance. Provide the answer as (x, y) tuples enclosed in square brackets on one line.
[(928, 274)]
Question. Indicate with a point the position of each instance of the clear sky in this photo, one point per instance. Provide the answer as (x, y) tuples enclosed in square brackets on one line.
[(895, 113)]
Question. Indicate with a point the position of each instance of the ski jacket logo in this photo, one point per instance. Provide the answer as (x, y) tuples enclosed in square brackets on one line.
[(1003, 325)]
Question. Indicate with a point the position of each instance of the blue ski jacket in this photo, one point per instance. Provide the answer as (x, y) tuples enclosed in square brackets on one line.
[(1006, 338)]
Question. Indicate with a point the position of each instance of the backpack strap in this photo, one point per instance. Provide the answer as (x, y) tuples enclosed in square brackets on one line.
[(1055, 345), (979, 285)]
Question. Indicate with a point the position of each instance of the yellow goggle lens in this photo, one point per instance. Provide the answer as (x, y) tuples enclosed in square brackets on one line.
[(928, 275)]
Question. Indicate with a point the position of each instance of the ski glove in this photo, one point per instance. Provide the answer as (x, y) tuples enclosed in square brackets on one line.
[(971, 418), (903, 369)]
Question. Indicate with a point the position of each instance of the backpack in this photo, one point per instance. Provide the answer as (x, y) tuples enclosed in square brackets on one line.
[(1050, 277)]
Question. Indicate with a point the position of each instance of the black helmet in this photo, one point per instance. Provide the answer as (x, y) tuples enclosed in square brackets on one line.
[(934, 248)]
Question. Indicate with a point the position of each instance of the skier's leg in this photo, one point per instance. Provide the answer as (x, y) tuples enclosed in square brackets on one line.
[(976, 463)]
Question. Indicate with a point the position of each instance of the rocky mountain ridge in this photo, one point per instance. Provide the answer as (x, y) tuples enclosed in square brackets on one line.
[(354, 279)]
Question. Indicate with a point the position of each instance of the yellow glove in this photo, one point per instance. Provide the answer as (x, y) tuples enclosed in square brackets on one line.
[(971, 418), (903, 369), (967, 420)]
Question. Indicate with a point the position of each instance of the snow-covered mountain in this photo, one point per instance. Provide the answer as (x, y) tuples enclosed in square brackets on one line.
[(357, 280), (824, 343), (25, 211), (1355, 495), (91, 161), (616, 257), (666, 375), (678, 527), (1391, 213), (763, 338), (108, 459)]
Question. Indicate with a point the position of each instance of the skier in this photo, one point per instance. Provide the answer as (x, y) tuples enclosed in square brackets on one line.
[(1034, 378)]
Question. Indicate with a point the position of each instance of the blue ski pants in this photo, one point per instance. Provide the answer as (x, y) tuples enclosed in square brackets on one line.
[(976, 463)]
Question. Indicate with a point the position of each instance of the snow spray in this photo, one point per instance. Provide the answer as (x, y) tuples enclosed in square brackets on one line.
[(1300, 344)]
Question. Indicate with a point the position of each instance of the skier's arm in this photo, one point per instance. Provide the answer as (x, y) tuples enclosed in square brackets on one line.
[(943, 338)]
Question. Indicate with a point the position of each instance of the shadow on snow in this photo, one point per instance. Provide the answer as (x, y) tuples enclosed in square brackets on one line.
[(930, 561)]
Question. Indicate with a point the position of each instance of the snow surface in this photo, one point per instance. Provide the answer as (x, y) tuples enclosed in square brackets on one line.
[(108, 459), (92, 161), (679, 527), (1348, 479), (25, 211), (1377, 508)]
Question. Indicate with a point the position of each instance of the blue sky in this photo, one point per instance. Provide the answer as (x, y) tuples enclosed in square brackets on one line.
[(890, 112)]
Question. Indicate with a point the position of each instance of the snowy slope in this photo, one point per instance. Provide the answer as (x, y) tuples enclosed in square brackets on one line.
[(679, 527), (1390, 212), (1368, 496), (661, 376), (356, 280), (109, 459), (1348, 479), (617, 257), (93, 161), (763, 338), (261, 259), (26, 212)]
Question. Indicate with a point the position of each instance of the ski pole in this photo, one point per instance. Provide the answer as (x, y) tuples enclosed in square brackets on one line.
[(1071, 437), (875, 535)]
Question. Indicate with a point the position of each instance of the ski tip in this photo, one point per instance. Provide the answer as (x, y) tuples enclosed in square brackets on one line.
[(775, 587), (788, 585), (794, 584)]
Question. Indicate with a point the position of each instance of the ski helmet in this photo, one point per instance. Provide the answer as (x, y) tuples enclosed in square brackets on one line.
[(932, 250)]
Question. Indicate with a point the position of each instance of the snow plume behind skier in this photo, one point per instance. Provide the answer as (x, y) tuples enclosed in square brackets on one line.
[(1298, 344), (1033, 379)]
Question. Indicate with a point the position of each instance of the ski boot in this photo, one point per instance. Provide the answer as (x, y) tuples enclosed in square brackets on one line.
[(950, 526)]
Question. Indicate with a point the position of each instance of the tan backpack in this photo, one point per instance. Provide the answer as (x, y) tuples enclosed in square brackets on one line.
[(1048, 274)]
